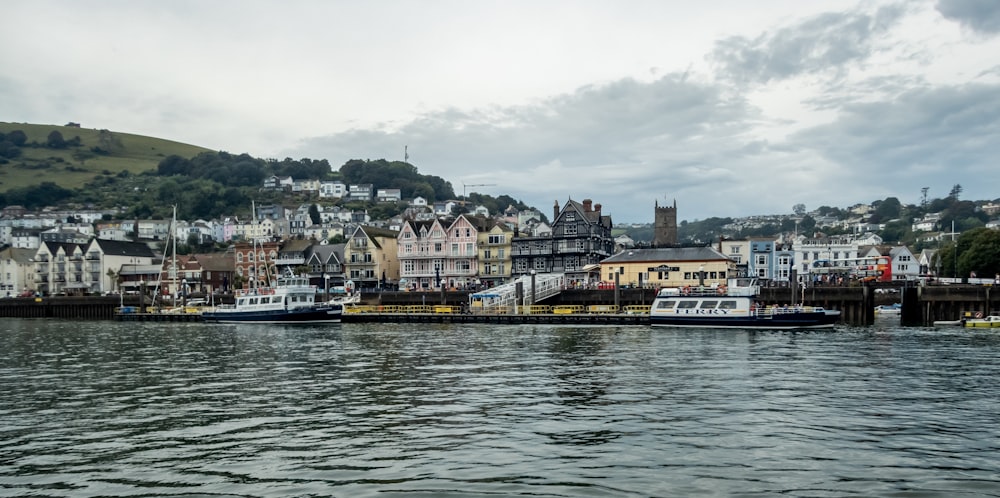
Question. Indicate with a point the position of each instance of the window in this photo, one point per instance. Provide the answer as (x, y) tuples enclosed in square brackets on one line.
[(761, 259), (727, 305), (539, 264), (569, 230), (496, 239), (687, 305), (437, 247), (665, 305), (708, 305)]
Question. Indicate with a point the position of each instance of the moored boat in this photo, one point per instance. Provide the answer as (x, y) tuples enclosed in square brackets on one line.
[(992, 321), (292, 300), (732, 306), (888, 310)]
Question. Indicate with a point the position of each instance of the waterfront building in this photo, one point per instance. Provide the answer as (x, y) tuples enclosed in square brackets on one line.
[(494, 246), (434, 255), (17, 271), (580, 236), (668, 267), (371, 257), (254, 263), (105, 258)]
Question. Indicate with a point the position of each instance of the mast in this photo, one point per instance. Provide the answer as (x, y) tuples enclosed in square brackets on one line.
[(173, 249)]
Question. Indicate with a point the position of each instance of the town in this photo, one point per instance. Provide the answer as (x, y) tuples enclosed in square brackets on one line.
[(427, 248)]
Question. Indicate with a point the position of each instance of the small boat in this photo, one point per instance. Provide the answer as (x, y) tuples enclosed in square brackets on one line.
[(292, 300), (732, 306), (888, 310), (992, 321)]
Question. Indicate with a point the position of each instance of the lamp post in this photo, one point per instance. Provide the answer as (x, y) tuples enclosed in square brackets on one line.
[(326, 286), (533, 287), (184, 291)]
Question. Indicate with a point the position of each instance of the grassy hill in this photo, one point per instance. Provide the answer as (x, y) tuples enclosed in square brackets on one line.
[(73, 166)]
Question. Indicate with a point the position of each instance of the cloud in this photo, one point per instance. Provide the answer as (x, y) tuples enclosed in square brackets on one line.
[(825, 43), (923, 137), (610, 141), (982, 16)]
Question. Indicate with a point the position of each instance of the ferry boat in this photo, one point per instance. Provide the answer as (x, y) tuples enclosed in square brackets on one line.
[(732, 306), (292, 300)]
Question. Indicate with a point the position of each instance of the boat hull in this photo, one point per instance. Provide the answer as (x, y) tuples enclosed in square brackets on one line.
[(785, 321), (320, 314)]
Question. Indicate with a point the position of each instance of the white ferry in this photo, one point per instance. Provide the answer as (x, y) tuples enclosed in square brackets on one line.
[(732, 306)]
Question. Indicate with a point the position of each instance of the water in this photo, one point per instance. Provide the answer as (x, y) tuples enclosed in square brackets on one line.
[(126, 409)]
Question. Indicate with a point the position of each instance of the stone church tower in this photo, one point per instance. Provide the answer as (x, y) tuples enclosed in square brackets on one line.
[(665, 225)]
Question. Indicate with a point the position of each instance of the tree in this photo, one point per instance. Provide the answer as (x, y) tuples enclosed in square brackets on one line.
[(956, 190), (17, 137), (314, 214), (55, 140), (799, 209), (9, 150), (113, 275)]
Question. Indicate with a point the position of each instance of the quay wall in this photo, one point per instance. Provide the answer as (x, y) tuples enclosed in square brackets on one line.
[(921, 306)]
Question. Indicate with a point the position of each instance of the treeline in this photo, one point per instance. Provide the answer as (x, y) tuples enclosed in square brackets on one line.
[(12, 143), (216, 184)]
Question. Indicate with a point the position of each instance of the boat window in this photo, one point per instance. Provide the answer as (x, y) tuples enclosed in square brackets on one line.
[(708, 305), (687, 305), (253, 300), (727, 305), (665, 305)]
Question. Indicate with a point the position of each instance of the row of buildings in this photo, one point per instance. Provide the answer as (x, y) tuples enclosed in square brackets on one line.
[(430, 253)]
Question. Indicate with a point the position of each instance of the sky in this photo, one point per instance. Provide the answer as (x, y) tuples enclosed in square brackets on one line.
[(728, 108)]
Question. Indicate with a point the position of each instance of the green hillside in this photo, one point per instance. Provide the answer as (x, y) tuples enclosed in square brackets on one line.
[(77, 162)]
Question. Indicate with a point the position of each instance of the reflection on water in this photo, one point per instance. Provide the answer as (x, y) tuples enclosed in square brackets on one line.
[(123, 409)]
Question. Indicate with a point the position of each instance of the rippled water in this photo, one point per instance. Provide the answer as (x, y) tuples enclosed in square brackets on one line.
[(123, 409)]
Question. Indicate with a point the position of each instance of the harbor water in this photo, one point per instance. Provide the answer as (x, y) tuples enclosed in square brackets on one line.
[(99, 408)]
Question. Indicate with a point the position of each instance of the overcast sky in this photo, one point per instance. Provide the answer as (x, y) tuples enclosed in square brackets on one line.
[(729, 107)]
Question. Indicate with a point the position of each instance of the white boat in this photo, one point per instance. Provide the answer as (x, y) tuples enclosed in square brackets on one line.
[(888, 310), (732, 306), (292, 300)]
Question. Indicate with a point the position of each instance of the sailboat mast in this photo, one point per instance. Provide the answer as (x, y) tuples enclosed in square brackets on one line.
[(173, 249)]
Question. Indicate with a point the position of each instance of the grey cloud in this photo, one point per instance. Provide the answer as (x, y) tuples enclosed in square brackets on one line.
[(918, 138), (982, 16), (827, 42), (627, 140)]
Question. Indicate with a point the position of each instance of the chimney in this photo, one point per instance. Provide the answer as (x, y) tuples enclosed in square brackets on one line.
[(555, 209), (586, 205), (597, 209)]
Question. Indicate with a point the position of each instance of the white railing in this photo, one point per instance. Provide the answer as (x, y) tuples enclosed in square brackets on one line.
[(505, 296)]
